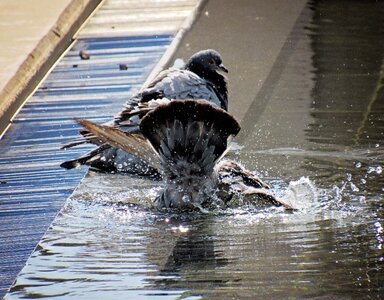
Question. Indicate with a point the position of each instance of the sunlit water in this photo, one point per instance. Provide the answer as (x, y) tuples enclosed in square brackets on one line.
[(101, 247), (325, 154)]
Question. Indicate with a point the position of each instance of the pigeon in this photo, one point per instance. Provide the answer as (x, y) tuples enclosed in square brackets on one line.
[(203, 77), (186, 141)]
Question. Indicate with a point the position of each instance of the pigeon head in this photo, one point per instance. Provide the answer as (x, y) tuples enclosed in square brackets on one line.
[(208, 65)]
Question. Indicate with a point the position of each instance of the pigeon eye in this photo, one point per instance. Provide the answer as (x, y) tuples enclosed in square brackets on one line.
[(211, 61)]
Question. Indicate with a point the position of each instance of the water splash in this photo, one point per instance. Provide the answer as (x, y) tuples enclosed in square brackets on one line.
[(379, 234), (302, 193), (124, 193)]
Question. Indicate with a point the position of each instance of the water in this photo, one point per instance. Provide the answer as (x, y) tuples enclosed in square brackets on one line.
[(103, 250), (324, 151)]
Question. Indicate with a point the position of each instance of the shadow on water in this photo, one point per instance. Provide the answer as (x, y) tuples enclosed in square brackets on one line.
[(319, 115)]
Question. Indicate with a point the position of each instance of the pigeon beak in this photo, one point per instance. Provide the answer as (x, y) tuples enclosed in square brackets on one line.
[(223, 68)]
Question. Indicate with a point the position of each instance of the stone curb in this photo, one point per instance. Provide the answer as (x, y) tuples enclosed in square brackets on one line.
[(42, 58)]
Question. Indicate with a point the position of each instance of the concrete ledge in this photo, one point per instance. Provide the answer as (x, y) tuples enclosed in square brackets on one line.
[(41, 59)]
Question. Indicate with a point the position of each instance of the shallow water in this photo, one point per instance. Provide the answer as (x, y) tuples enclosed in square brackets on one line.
[(324, 151), (103, 250)]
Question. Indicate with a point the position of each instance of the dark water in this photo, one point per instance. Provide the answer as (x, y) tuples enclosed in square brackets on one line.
[(315, 132)]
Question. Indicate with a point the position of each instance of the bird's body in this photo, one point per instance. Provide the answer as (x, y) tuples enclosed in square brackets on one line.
[(201, 78), (177, 127), (186, 141)]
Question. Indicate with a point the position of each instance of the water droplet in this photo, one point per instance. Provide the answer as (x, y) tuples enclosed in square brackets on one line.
[(180, 229), (354, 188), (370, 170), (358, 164), (375, 169), (379, 228), (379, 231), (377, 145), (363, 181)]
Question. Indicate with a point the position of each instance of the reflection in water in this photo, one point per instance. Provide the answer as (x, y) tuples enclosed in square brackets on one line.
[(193, 252), (331, 73), (348, 93)]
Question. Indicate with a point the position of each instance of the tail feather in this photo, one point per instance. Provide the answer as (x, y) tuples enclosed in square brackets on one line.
[(184, 129), (189, 137)]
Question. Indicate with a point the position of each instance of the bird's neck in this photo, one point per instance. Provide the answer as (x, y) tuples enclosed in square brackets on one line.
[(219, 84), (217, 81)]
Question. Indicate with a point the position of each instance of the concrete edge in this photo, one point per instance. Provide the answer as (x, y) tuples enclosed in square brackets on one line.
[(42, 58)]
